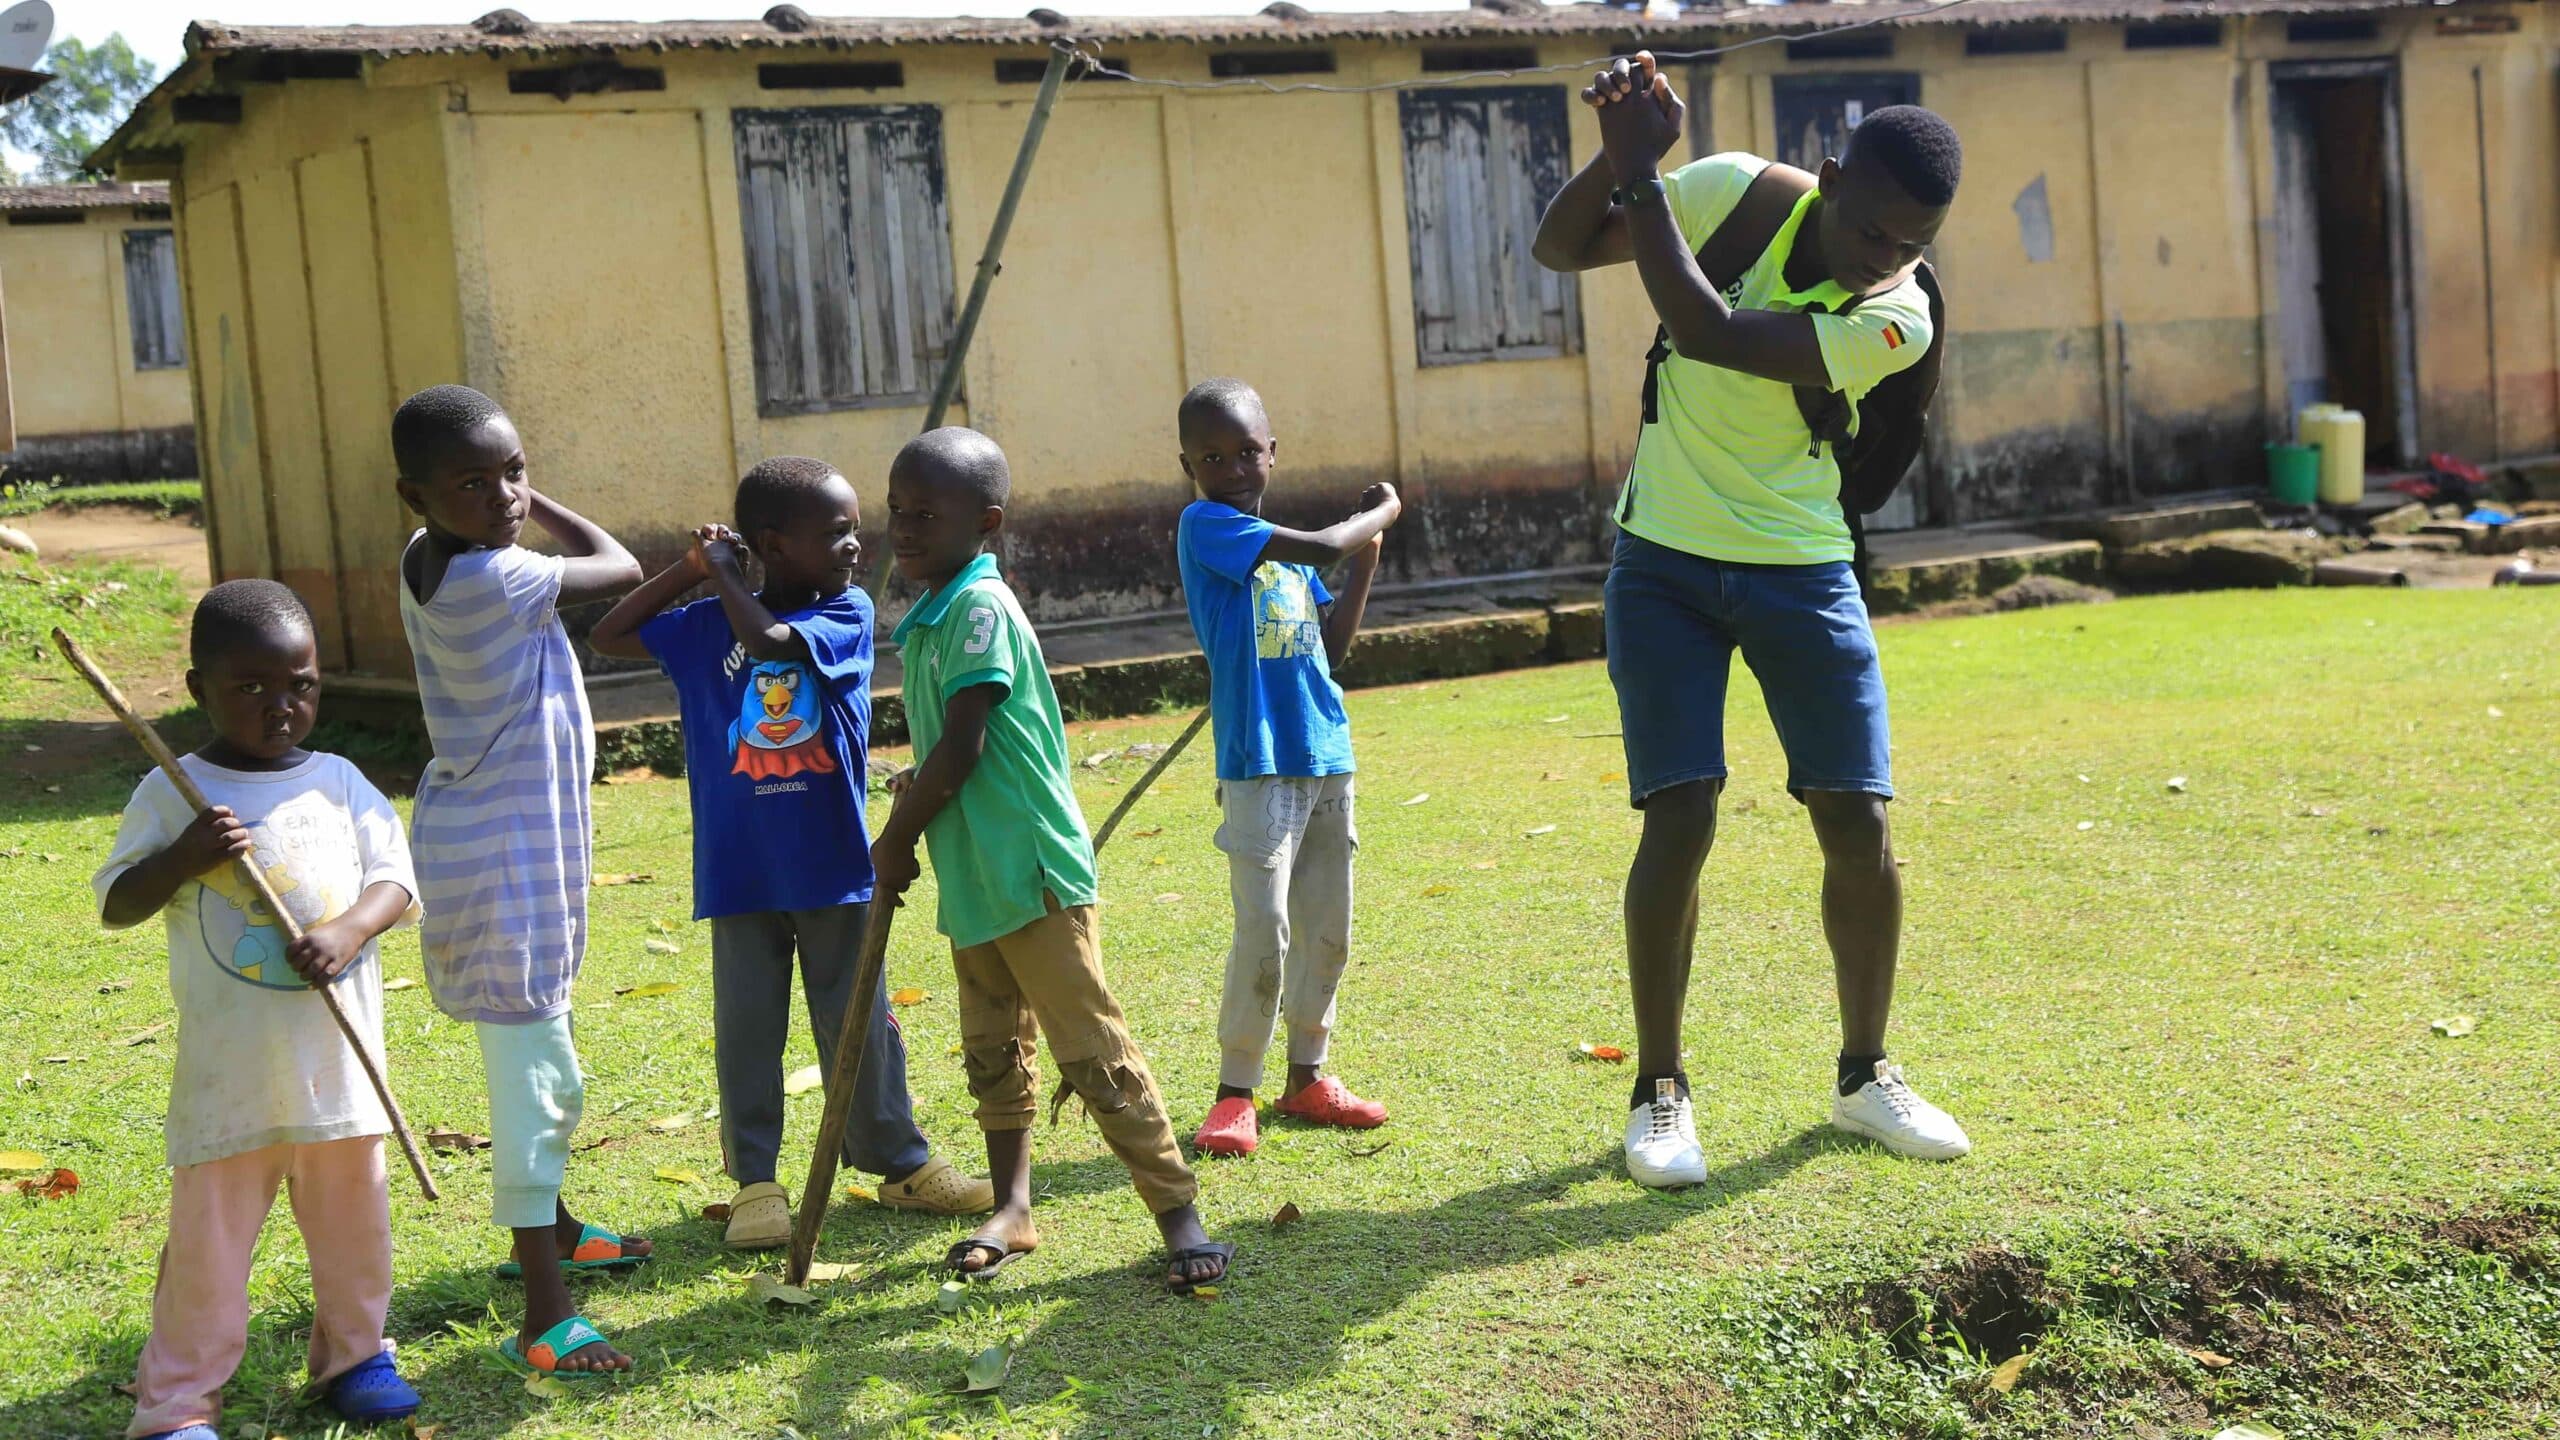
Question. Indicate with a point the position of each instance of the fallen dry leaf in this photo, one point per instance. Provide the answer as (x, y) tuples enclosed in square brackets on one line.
[(1168, 897), (821, 1272), (803, 1080), (656, 946), (669, 1124), (1615, 775), (1149, 833), (1430, 890), (20, 1160), (624, 880), (1537, 830), (909, 995), (2494, 713), (986, 1372), (2250, 1430), (1289, 1214), (1555, 720), (1555, 775), (422, 1432), (716, 1212), (674, 1176), (863, 1193), (460, 1141), (2005, 1379), (2454, 1027), (773, 1292), (1610, 1053), (2088, 825), (55, 1186), (2207, 1358), (1378, 1148), (398, 983), (2177, 784), (653, 988), (1416, 800), (952, 1297), (143, 1037), (549, 1387), (1486, 865), (55, 1060)]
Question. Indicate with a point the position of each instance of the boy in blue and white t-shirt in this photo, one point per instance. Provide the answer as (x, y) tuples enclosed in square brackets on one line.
[(1273, 633), (774, 687)]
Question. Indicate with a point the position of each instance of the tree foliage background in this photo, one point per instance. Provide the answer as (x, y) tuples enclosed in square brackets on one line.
[(94, 88)]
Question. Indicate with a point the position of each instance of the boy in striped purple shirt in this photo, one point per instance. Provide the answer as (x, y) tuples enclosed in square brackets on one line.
[(501, 834)]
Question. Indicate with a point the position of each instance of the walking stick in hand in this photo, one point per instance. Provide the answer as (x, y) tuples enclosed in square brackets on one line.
[(851, 1034), (160, 754)]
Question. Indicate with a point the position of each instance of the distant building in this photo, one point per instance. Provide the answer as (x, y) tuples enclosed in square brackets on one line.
[(672, 249), (95, 334)]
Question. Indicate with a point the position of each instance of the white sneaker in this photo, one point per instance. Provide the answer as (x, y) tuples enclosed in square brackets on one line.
[(1662, 1140), (1892, 1114)]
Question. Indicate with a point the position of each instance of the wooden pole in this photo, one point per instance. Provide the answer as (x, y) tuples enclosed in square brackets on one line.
[(990, 265), (851, 1035), (160, 754), (1119, 811)]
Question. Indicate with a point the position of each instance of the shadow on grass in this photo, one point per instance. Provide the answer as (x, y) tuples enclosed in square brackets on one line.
[(1167, 1364)]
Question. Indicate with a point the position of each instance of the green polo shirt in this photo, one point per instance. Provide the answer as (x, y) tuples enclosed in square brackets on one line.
[(1728, 470), (1013, 836)]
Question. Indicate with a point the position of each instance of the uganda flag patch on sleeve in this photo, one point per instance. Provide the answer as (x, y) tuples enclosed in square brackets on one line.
[(1893, 336)]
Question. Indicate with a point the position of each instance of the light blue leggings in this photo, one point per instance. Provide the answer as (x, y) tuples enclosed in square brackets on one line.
[(535, 1097)]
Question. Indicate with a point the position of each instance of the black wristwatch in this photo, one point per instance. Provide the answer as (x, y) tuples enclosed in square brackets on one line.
[(1647, 191)]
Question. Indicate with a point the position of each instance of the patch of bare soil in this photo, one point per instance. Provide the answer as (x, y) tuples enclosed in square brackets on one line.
[(124, 532)]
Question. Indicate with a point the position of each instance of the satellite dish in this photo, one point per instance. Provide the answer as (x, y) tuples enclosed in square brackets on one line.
[(24, 31)]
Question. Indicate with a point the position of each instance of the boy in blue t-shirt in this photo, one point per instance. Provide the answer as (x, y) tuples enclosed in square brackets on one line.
[(1273, 634), (774, 689)]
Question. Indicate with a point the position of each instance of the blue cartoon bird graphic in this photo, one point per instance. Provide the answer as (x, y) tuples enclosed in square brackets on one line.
[(781, 728)]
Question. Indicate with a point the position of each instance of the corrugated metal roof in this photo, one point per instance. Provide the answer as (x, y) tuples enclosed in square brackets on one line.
[(82, 197), (505, 33)]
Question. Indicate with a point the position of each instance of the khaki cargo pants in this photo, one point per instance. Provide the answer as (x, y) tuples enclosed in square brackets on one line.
[(1048, 976)]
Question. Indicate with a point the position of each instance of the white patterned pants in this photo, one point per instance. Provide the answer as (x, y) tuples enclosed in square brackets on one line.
[(1289, 841)]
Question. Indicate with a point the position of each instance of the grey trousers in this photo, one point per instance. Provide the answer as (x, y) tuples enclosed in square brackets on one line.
[(1289, 842), (751, 1020)]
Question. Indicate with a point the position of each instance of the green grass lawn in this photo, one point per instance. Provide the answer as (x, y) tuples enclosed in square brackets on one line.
[(2225, 1171), (169, 497)]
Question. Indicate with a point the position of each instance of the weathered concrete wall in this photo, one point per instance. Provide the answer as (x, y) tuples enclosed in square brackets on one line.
[(2108, 271), (84, 410)]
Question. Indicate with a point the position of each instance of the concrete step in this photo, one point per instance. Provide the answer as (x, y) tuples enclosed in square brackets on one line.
[(1930, 567), (2177, 519)]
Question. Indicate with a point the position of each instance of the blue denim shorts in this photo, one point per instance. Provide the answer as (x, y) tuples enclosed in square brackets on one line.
[(1674, 621)]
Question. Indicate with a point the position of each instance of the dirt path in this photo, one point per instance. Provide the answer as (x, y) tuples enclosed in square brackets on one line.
[(124, 532)]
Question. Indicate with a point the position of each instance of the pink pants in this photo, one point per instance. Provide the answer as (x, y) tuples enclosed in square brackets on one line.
[(200, 1309)]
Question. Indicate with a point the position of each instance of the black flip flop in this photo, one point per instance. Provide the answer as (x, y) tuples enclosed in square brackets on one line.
[(951, 1260), (1225, 1252)]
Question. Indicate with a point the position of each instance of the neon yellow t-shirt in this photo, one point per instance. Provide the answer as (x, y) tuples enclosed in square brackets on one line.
[(1729, 470)]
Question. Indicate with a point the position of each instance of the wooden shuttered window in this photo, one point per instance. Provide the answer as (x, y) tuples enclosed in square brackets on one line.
[(1480, 164), (152, 307), (848, 250)]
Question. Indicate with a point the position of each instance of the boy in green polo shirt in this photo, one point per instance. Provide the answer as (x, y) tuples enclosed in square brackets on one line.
[(994, 805)]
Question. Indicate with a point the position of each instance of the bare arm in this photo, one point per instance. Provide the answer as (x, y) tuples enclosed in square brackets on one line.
[(618, 633), (933, 784), (762, 636), (1583, 229), (1639, 122), (1342, 621), (1380, 505), (598, 565), (325, 950), (214, 837)]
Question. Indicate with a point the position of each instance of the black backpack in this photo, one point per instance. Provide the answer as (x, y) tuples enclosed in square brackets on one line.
[(1893, 419)]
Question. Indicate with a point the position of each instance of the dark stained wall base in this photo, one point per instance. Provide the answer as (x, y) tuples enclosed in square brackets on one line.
[(96, 456)]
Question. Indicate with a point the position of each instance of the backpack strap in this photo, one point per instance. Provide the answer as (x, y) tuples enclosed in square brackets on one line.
[(1737, 244)]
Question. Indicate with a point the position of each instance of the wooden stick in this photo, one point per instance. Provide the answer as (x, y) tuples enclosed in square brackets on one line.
[(851, 1034), (158, 749), (1121, 810)]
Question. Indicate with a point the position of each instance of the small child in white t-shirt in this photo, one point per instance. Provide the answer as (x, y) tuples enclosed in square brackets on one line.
[(267, 1090)]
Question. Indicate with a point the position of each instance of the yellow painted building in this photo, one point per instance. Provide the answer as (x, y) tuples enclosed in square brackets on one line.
[(96, 334), (672, 249)]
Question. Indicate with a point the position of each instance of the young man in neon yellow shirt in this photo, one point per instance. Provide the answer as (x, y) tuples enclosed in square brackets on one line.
[(1732, 537)]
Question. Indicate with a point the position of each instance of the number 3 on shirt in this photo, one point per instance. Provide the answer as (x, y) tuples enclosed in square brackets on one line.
[(982, 631)]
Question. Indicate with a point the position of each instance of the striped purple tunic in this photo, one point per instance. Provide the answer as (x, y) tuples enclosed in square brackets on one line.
[(502, 833)]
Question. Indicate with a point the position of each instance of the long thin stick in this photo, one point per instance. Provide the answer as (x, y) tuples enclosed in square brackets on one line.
[(1062, 58), (856, 1029), (141, 730), (1140, 788), (851, 1034)]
